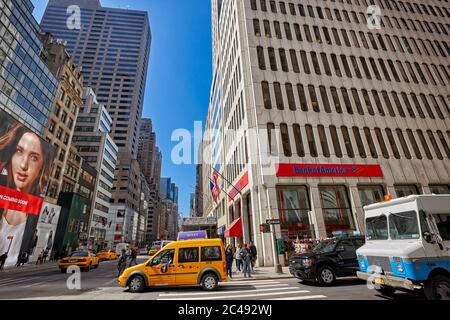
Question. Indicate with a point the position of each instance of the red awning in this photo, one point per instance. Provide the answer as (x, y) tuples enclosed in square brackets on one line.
[(235, 229)]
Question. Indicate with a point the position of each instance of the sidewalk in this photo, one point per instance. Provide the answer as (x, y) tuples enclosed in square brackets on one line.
[(30, 267), (261, 273)]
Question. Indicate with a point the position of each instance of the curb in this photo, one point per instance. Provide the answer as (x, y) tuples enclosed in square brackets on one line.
[(287, 276)]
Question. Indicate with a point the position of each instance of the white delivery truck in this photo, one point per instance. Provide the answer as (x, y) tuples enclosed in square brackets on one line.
[(408, 246)]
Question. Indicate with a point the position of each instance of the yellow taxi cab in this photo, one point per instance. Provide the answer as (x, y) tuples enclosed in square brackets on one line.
[(83, 259), (186, 262), (107, 255)]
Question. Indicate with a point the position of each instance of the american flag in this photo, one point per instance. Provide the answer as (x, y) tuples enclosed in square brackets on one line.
[(214, 186)]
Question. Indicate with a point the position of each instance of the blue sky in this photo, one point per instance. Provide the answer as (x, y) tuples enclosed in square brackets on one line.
[(179, 75)]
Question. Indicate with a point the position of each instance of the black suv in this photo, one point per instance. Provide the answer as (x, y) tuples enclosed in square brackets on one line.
[(327, 260)]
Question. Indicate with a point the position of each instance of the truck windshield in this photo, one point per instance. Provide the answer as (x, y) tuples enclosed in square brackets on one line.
[(404, 225), (377, 228)]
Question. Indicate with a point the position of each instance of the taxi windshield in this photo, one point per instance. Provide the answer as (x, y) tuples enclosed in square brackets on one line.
[(79, 254)]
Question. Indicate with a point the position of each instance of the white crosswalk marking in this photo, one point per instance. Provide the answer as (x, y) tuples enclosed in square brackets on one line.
[(219, 293), (234, 296), (264, 290)]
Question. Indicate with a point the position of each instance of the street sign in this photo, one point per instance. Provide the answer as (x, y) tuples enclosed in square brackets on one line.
[(273, 221)]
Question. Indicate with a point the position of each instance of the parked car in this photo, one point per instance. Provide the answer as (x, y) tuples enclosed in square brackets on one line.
[(187, 262), (107, 255), (83, 259), (327, 260)]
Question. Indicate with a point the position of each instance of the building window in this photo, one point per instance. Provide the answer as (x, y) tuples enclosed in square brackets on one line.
[(257, 27), (253, 5), (283, 60), (335, 96), (403, 143), (424, 144), (359, 142), (444, 143), (267, 29), (324, 96), (290, 96), (276, 26), (52, 126), (294, 61), (413, 142), (298, 140), (370, 194), (270, 136), (405, 190), (392, 143), (305, 62), (313, 97), (272, 59), (311, 140), (285, 140), (261, 59), (336, 209), (435, 145), (370, 143), (293, 204), (266, 95), (336, 143), (323, 141), (347, 102), (347, 142), (326, 65), (302, 97), (278, 95)]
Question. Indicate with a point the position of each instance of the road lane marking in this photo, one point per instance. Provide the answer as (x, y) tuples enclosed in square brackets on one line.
[(225, 292), (240, 296), (246, 283), (299, 298), (34, 284), (13, 281)]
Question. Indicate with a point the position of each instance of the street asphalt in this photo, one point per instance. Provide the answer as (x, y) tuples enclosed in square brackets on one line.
[(46, 282)]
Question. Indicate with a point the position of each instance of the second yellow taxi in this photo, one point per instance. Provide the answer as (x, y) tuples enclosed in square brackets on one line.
[(85, 260)]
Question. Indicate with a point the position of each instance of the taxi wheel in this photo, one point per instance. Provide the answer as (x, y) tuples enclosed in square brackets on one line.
[(209, 282), (136, 284), (326, 276)]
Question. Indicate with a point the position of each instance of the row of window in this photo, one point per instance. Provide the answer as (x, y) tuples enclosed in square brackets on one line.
[(353, 101), (365, 142), (380, 69), (359, 39), (317, 11)]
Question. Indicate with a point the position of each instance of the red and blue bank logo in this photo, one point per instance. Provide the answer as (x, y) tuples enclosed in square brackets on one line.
[(328, 170)]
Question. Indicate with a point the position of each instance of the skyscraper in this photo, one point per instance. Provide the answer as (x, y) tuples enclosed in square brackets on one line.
[(325, 111), (112, 46), (27, 87)]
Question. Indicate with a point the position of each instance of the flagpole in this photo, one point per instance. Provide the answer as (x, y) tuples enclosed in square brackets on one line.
[(227, 180)]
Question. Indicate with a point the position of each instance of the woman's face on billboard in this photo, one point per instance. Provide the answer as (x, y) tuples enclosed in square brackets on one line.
[(27, 162)]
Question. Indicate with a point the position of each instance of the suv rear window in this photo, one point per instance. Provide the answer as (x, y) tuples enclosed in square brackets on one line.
[(211, 254)]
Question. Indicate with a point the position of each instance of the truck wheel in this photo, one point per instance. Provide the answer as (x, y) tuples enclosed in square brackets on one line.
[(136, 284), (209, 282), (438, 288), (386, 291), (326, 276)]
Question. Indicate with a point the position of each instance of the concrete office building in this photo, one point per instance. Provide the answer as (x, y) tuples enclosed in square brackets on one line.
[(112, 45), (343, 113), (64, 112), (27, 87), (150, 160), (95, 145)]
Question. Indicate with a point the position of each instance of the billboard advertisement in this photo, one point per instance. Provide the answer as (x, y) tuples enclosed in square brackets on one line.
[(45, 232), (25, 166)]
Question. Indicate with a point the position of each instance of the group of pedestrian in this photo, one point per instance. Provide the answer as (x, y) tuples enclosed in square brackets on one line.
[(42, 257), (245, 257), (128, 258)]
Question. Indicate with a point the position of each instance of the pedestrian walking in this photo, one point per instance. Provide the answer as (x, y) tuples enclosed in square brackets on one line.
[(133, 257), (3, 258), (40, 258), (246, 259), (122, 263), (23, 258), (44, 256), (229, 256), (253, 254), (238, 257)]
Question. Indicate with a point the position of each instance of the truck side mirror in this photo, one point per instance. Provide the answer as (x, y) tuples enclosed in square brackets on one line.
[(428, 237)]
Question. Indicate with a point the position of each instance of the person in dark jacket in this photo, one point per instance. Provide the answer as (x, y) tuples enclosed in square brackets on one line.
[(229, 255), (253, 253), (122, 263), (246, 259)]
